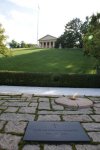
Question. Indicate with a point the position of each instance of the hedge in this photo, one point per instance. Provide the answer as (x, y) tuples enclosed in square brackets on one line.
[(49, 79)]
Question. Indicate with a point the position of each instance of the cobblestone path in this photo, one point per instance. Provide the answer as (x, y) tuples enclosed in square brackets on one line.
[(17, 110)]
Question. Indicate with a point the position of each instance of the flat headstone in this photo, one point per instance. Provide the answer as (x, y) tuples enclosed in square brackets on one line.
[(79, 102), (39, 131)]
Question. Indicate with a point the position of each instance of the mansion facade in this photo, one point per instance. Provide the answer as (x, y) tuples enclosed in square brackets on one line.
[(47, 41)]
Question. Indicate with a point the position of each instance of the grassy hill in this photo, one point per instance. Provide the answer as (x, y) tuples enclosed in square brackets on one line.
[(49, 60)]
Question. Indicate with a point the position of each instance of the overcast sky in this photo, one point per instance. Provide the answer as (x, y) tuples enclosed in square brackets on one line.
[(19, 17)]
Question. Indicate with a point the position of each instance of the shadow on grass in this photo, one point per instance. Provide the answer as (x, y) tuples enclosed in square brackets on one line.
[(49, 60)]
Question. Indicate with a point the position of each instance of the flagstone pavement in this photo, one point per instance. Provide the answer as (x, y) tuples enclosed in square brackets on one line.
[(16, 110)]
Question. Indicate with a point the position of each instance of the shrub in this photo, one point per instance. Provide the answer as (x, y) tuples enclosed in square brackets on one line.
[(49, 79)]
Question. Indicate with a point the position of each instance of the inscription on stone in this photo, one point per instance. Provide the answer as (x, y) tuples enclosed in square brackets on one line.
[(46, 131)]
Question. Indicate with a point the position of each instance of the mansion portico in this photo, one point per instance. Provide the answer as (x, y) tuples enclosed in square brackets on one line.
[(47, 41)]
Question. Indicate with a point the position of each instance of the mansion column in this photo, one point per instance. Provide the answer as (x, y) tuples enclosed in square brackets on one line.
[(46, 45), (49, 44), (41, 44), (53, 44)]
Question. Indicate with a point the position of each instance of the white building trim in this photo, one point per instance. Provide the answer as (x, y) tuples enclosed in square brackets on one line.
[(47, 41)]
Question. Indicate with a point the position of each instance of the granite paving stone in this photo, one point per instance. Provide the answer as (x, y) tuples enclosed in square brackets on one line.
[(95, 136), (80, 111), (96, 102), (91, 126), (97, 105), (33, 104), (16, 104), (81, 118), (2, 124), (31, 147), (1, 102), (57, 147), (11, 109), (15, 127), (17, 99), (87, 147), (97, 110), (34, 100), (66, 112), (57, 107), (4, 96), (27, 110), (44, 105), (9, 142), (3, 107), (43, 99), (16, 117), (44, 112), (49, 118), (27, 96), (94, 98), (96, 117)]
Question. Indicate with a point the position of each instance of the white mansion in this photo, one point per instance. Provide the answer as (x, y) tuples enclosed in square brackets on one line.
[(47, 41)]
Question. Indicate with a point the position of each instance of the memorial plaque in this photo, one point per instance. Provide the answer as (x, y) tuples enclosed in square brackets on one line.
[(53, 132)]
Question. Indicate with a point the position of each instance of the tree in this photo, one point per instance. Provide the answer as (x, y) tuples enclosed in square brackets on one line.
[(23, 44), (14, 44), (72, 32), (73, 35), (92, 39), (3, 49)]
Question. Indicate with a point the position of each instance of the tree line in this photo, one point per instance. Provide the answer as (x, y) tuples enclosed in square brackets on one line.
[(22, 44)]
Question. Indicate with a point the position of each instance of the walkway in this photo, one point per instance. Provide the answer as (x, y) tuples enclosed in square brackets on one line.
[(17, 110), (50, 91)]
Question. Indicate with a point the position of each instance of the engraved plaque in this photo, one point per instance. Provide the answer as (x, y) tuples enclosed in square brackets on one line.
[(47, 131)]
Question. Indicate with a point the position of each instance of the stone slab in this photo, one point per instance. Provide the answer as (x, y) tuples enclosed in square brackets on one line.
[(9, 142), (95, 136), (96, 117), (2, 124), (97, 105), (27, 110), (91, 126), (67, 112), (57, 132), (15, 127), (97, 110), (43, 99), (3, 107), (16, 104), (44, 106), (11, 109), (81, 118), (57, 147), (31, 147), (33, 104), (16, 117), (49, 118), (87, 147), (57, 107), (1, 102)]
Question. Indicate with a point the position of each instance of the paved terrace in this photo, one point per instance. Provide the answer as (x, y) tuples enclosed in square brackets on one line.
[(17, 110)]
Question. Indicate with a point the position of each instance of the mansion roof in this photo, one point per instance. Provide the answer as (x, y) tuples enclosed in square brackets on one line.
[(47, 37)]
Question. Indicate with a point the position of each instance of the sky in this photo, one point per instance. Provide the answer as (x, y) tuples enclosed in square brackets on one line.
[(20, 17)]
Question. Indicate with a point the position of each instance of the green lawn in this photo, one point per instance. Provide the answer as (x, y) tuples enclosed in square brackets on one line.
[(49, 60)]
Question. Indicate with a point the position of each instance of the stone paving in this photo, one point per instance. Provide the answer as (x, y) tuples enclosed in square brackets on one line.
[(17, 110)]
